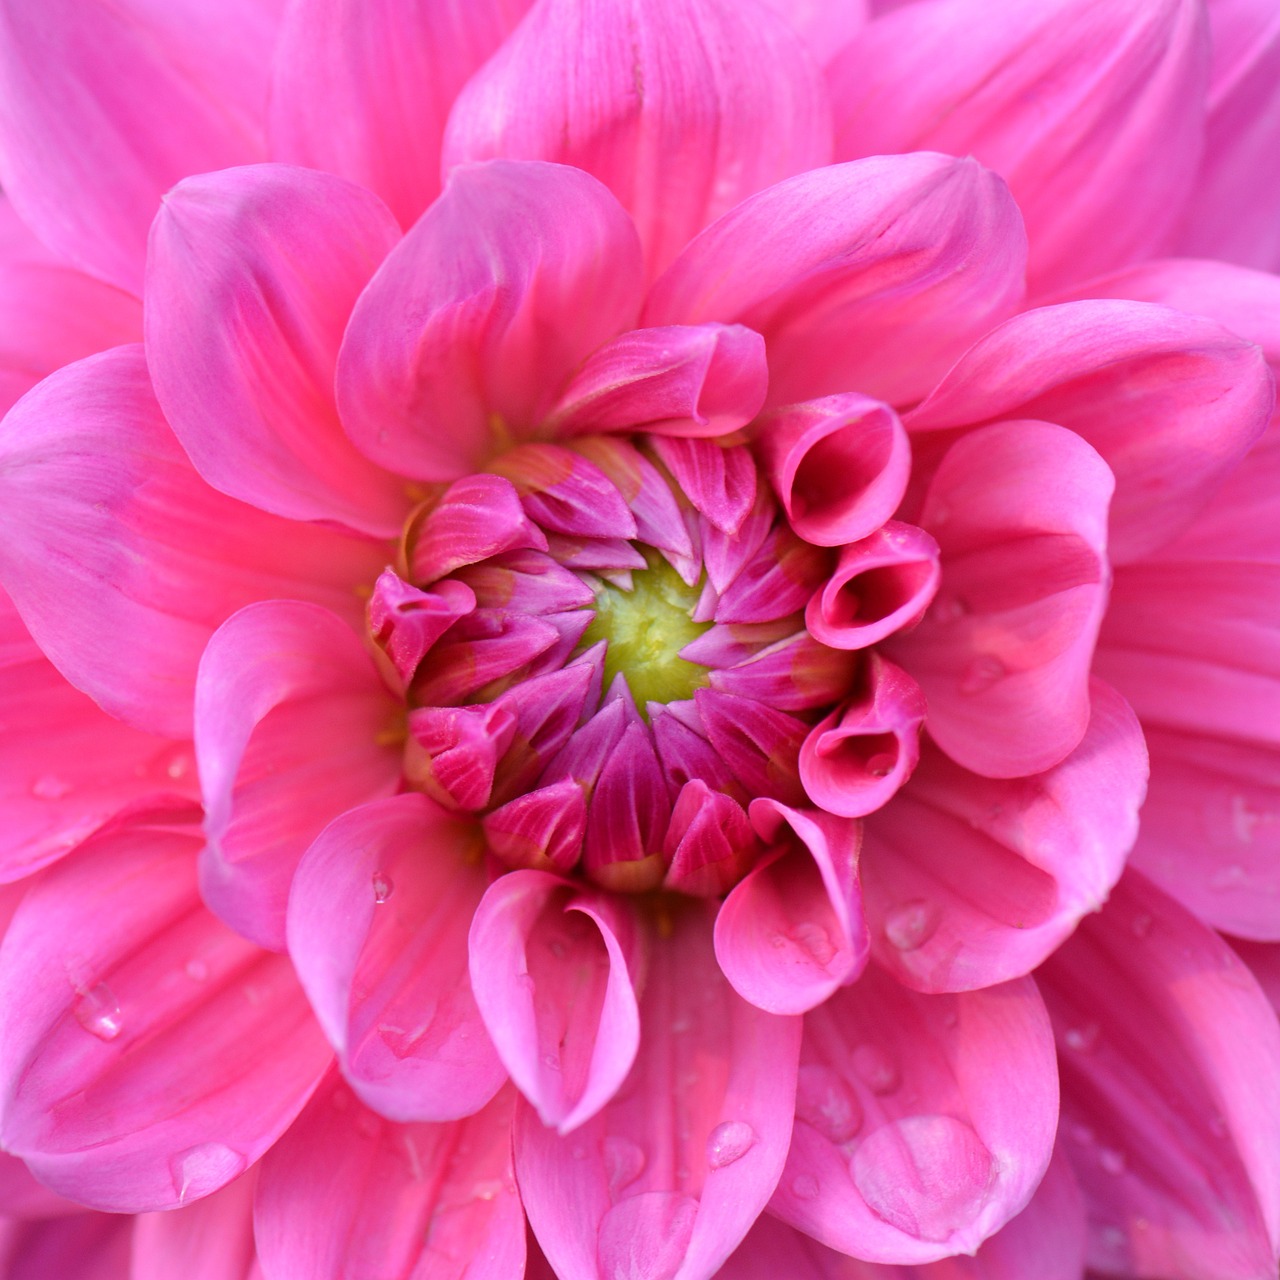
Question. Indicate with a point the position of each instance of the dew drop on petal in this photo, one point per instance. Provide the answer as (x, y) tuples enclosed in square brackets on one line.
[(911, 924), (812, 938), (876, 1069), (50, 787), (983, 672), (197, 970), (624, 1162), (646, 1237), (827, 1103), (1112, 1161), (98, 1012), (201, 1170), (383, 887), (729, 1142), (1082, 1039), (805, 1187)]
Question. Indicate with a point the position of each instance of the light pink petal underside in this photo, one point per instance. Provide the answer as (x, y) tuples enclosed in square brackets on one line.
[(209, 1240), (377, 927), (923, 1122), (149, 1054)]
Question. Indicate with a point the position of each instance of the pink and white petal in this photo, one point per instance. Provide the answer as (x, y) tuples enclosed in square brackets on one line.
[(969, 881), (251, 277), (551, 971), (1169, 1051), (1092, 112), (469, 331), (924, 1123), (667, 1179), (293, 726), (825, 26), (377, 929), (872, 276), (347, 1193), (149, 1054), (103, 107), (86, 1246), (209, 1240), (363, 88), (1146, 386), (674, 118), (109, 522), (1019, 511)]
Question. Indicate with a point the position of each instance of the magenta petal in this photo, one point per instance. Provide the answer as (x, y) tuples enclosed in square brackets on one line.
[(405, 622), (209, 1240), (673, 118), (378, 920), (149, 1054), (670, 1175), (290, 723), (86, 1246), (719, 482), (1019, 510), (970, 881), (347, 1193), (1147, 387), (1169, 1053), (468, 331), (792, 932), (251, 277), (923, 1123), (874, 275), (109, 521)]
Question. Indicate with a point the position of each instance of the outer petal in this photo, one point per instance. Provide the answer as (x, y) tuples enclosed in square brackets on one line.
[(674, 116), (363, 87), (923, 1123), (109, 522), (88, 1246), (347, 1194), (1147, 387), (470, 329), (668, 1178), (103, 107), (971, 881), (292, 725), (377, 927), (872, 276), (209, 1240), (149, 1055), (251, 277), (1093, 112), (1169, 1054)]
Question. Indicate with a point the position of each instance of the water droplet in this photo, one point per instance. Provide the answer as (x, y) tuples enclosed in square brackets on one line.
[(814, 939), (98, 1012), (911, 925), (551, 1061), (805, 1187), (1141, 925), (927, 1175), (624, 1162), (50, 787), (1082, 1039), (401, 1040), (949, 609), (728, 1142), (383, 887), (876, 1069), (983, 672), (1112, 1161), (199, 1171), (881, 764), (180, 764), (197, 970), (490, 1189), (827, 1103)]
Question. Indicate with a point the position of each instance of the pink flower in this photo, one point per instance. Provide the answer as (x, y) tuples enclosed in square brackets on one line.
[(630, 597)]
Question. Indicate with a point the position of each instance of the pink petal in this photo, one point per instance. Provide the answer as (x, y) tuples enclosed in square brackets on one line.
[(86, 1246), (719, 482), (543, 828), (1169, 1053), (21, 1196), (209, 1240), (291, 730), (109, 521), (467, 333), (709, 844), (792, 932), (874, 275), (347, 1194), (564, 492), (673, 117), (105, 106), (826, 26), (378, 920), (251, 277), (970, 881), (363, 88), (923, 1123), (405, 623), (551, 970), (149, 1054), (670, 1175), (1146, 387)]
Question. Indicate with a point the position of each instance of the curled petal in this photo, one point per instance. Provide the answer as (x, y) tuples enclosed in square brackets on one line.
[(405, 622), (710, 843), (541, 829), (456, 752)]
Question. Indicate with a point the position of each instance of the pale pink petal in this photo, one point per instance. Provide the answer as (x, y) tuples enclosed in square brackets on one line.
[(1093, 113), (292, 726), (970, 881), (1019, 510), (468, 332), (377, 927), (362, 88), (666, 1180), (251, 277), (209, 1240), (674, 118), (874, 275), (826, 26), (1147, 387), (108, 521), (103, 107), (149, 1054), (1169, 1052), (551, 970), (86, 1246), (347, 1194), (923, 1122)]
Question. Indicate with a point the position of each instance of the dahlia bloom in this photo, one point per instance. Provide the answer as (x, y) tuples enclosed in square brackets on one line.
[(639, 640)]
